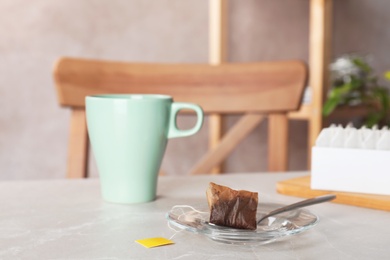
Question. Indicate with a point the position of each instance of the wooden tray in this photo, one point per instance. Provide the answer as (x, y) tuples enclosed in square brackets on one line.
[(300, 187)]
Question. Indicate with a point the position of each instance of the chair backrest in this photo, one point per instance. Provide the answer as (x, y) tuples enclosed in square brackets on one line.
[(252, 89)]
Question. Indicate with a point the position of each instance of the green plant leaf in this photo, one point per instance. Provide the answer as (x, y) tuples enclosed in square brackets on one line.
[(382, 97), (341, 90), (356, 83), (330, 105), (372, 119), (387, 75), (363, 65), (336, 96)]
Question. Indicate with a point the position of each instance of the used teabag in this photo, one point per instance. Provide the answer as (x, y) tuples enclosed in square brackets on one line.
[(232, 208)]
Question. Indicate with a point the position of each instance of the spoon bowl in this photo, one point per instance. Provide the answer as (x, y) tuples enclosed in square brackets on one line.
[(300, 204)]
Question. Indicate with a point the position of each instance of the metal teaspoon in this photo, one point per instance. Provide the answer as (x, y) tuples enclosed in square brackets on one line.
[(300, 204)]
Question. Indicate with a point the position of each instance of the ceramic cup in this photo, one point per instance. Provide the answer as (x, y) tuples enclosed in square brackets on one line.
[(128, 135)]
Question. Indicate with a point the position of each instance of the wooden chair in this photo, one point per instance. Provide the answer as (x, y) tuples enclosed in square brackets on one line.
[(252, 89)]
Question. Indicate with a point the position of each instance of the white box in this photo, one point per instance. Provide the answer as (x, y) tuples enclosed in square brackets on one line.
[(351, 170)]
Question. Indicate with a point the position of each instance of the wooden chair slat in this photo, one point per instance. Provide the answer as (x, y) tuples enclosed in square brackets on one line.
[(229, 141)]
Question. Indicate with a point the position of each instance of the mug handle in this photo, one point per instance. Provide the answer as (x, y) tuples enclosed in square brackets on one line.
[(174, 131)]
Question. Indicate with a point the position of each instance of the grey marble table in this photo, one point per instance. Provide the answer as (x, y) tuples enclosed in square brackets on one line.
[(66, 219)]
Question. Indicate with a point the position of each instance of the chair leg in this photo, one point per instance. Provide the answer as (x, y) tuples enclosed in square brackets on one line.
[(78, 146), (215, 122), (277, 142)]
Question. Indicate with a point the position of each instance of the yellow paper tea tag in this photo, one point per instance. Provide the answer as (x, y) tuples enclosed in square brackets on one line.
[(153, 242)]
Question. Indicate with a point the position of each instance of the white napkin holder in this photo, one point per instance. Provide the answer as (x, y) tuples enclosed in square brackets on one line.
[(351, 160)]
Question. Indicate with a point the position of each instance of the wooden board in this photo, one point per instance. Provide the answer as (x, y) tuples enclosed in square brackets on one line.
[(300, 187)]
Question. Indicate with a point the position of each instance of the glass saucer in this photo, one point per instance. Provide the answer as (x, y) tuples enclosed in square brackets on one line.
[(195, 219)]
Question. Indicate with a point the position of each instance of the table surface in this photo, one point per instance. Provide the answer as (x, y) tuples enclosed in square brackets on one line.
[(67, 219)]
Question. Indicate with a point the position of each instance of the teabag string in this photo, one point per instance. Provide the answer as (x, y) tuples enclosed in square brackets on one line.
[(184, 214)]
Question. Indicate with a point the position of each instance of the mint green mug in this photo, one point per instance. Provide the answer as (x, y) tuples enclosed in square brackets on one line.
[(128, 135)]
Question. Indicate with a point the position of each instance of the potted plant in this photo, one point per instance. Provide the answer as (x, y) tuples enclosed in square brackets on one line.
[(354, 83)]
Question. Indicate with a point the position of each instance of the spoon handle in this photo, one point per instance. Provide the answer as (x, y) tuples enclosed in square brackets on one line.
[(300, 204)]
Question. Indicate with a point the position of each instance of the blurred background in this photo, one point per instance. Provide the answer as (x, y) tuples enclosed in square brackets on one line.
[(33, 34)]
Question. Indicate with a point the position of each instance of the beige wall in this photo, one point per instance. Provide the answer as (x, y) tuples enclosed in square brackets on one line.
[(33, 129)]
